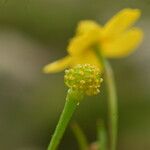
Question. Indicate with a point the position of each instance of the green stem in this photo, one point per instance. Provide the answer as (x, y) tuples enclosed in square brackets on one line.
[(101, 136), (112, 98), (72, 100), (80, 136)]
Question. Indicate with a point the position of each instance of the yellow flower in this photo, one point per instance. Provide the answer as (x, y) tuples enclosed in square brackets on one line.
[(117, 38)]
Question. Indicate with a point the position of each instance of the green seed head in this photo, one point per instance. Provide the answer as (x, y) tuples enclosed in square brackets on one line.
[(85, 78)]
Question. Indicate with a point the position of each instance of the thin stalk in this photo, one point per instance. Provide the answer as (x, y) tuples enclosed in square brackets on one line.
[(72, 101), (112, 98), (80, 136), (101, 136)]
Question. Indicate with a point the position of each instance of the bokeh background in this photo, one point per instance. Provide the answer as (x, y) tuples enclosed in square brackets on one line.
[(36, 32)]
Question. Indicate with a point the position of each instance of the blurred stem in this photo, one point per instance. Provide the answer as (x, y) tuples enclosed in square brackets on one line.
[(112, 98), (80, 136), (72, 100), (102, 136)]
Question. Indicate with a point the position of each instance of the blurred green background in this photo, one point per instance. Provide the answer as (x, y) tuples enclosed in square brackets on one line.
[(36, 32)]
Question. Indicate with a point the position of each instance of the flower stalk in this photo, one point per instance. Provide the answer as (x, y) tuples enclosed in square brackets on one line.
[(101, 136), (72, 101), (80, 136), (112, 98)]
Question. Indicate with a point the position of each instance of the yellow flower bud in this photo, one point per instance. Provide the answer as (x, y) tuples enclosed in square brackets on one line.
[(85, 78)]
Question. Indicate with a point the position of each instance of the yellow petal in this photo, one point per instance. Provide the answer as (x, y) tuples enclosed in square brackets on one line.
[(121, 21), (87, 58), (86, 26), (124, 44), (79, 44), (88, 33), (58, 65)]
